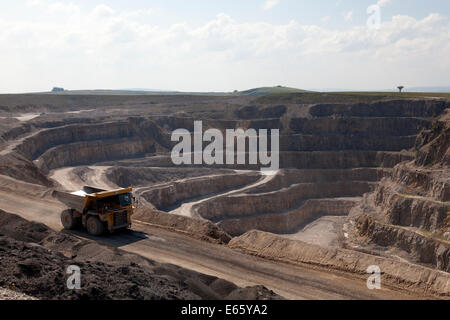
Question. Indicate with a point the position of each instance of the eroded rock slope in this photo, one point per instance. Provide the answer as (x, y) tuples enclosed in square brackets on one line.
[(409, 213)]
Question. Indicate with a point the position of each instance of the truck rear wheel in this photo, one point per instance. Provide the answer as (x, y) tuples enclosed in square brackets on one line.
[(94, 226), (68, 221)]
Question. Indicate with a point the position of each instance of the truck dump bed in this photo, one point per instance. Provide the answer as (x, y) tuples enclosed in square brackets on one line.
[(80, 199), (72, 201)]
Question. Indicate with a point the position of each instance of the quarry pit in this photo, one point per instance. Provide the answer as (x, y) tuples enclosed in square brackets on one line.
[(360, 183)]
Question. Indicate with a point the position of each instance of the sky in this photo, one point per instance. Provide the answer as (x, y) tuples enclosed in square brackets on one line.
[(211, 45)]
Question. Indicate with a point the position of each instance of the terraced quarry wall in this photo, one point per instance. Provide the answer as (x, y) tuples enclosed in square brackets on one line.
[(305, 143), (170, 194), (410, 209), (393, 108), (332, 153), (336, 157), (277, 201), (288, 222), (145, 176), (88, 152), (288, 177)]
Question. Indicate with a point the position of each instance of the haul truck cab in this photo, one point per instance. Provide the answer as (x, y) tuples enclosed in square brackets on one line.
[(97, 210)]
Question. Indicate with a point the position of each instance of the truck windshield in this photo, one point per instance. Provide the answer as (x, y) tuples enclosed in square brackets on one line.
[(125, 199)]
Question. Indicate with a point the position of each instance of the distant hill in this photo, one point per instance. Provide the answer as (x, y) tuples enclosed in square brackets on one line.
[(270, 90), (109, 92), (252, 92)]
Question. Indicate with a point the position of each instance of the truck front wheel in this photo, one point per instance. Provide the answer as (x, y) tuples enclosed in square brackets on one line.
[(94, 226), (68, 221)]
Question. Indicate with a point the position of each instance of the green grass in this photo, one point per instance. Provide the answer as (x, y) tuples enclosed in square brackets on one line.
[(252, 92), (343, 97), (271, 90), (277, 94), (400, 95)]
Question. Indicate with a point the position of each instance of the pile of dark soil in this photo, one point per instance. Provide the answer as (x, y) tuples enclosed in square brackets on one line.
[(34, 260)]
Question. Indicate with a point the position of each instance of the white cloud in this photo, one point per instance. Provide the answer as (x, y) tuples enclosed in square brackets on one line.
[(269, 4), (33, 3), (62, 8), (110, 49), (382, 3), (348, 16), (103, 10)]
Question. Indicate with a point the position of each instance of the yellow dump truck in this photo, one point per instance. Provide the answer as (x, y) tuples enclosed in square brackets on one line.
[(97, 210)]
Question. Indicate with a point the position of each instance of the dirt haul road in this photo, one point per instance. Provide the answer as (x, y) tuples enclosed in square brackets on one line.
[(292, 282), (185, 209)]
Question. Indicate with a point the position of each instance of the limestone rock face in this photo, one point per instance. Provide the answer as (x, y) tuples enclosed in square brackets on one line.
[(434, 145), (80, 144), (423, 249), (252, 112), (392, 108), (83, 153), (170, 194), (137, 129), (410, 209), (289, 222), (238, 206)]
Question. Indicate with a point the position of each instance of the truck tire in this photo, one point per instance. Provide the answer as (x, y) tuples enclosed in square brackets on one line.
[(94, 226), (68, 221)]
